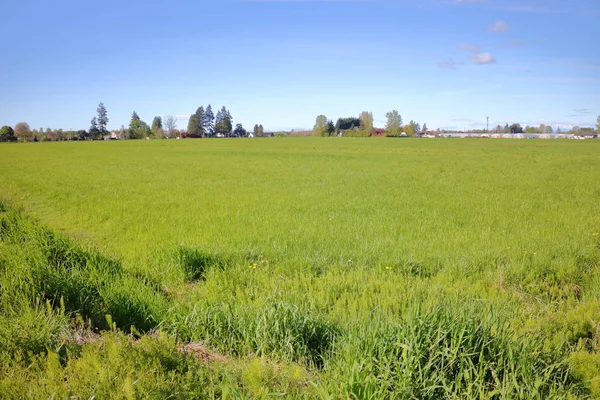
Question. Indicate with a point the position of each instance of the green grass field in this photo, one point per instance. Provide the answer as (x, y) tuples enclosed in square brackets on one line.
[(300, 268)]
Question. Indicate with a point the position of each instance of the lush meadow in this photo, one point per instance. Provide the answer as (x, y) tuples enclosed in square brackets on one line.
[(300, 267)]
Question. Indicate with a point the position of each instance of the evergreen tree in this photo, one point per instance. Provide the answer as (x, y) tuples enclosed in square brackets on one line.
[(192, 127), (425, 127), (239, 131), (157, 129), (261, 130), (7, 134), (208, 122), (102, 119), (198, 121), (94, 131), (330, 128), (135, 117), (256, 130), (224, 123)]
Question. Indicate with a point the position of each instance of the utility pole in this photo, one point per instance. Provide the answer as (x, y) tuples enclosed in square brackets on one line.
[(487, 126)]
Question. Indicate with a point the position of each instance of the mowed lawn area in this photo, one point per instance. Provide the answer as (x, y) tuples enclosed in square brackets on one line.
[(305, 267)]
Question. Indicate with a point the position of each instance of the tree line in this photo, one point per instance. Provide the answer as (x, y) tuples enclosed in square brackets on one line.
[(363, 126), (203, 123)]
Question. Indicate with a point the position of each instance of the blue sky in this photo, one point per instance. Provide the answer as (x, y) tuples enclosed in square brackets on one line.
[(447, 63)]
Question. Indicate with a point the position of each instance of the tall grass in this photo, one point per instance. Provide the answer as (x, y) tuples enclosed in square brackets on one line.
[(346, 268)]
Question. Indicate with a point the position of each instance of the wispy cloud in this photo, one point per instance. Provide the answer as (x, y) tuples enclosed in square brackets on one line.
[(580, 112), (483, 58), (479, 57), (499, 26)]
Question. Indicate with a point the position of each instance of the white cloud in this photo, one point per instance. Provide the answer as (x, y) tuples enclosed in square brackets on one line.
[(483, 58), (499, 26)]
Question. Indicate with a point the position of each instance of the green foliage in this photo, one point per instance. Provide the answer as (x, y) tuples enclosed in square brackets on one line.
[(94, 132), (393, 126), (192, 127), (138, 129), (239, 131), (196, 123), (321, 126), (586, 367), (224, 122), (356, 133), (102, 119), (7, 134), (157, 127), (515, 128), (366, 122), (344, 124), (208, 121)]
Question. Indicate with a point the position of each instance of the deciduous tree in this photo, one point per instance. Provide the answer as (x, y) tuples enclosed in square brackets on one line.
[(320, 128), (366, 121), (23, 132), (138, 129), (170, 125), (393, 126)]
